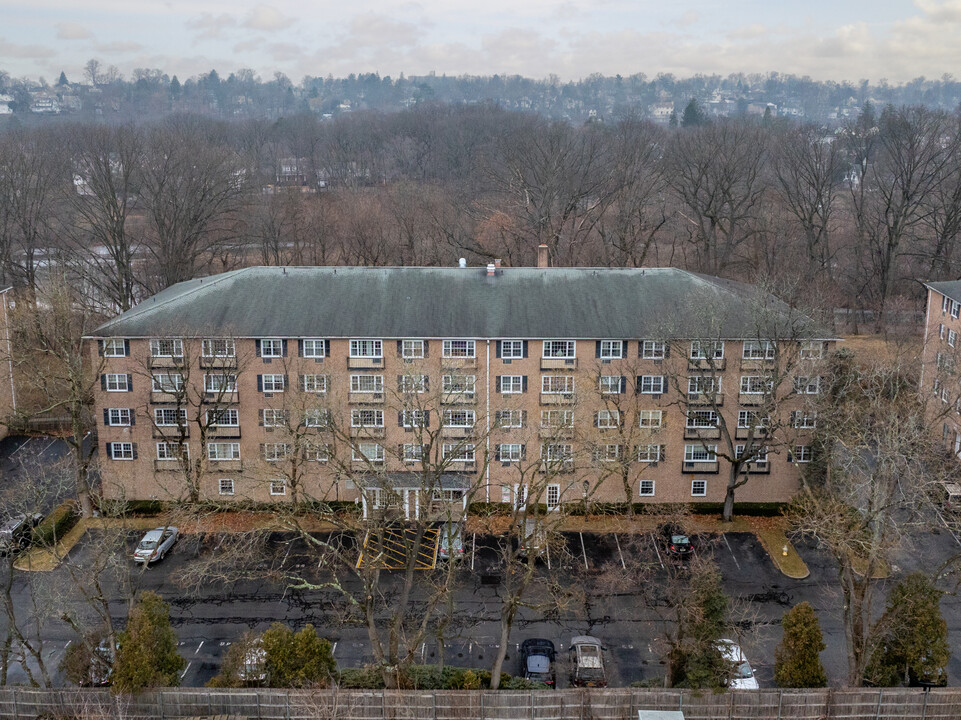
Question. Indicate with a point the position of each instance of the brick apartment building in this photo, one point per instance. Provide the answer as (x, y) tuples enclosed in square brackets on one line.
[(940, 359), (499, 384)]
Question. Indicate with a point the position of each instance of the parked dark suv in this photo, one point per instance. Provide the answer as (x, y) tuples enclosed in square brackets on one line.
[(537, 660), (15, 532)]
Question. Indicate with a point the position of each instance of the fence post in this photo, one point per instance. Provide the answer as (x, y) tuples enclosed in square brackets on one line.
[(924, 705), (531, 699), (287, 705), (780, 699), (877, 711), (16, 710), (260, 714), (161, 696)]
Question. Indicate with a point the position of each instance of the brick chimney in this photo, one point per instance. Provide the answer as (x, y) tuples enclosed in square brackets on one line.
[(541, 256)]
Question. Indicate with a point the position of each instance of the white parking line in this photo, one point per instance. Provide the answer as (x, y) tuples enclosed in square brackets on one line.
[(473, 551), (654, 540), (198, 647), (333, 649), (27, 442), (732, 552), (184, 674), (619, 553), (49, 445), (586, 566)]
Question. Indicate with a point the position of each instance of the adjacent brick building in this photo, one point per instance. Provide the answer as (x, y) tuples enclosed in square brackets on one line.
[(940, 356), (273, 383)]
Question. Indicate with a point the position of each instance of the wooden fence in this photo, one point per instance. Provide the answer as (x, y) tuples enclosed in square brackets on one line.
[(619, 704)]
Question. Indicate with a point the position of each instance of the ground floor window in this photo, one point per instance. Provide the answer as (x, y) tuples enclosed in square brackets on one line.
[(699, 488), (553, 496), (647, 488), (226, 486), (278, 487)]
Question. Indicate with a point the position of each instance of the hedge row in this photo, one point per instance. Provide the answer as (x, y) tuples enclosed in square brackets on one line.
[(55, 525), (432, 677)]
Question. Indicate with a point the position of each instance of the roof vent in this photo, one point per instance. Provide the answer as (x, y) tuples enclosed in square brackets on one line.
[(462, 262), (491, 269)]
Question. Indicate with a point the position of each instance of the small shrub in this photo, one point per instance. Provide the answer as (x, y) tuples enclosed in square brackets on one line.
[(55, 525), (365, 678)]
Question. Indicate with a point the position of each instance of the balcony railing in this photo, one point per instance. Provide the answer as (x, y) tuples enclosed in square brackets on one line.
[(557, 398), (704, 433), (365, 363), (700, 467), (558, 363)]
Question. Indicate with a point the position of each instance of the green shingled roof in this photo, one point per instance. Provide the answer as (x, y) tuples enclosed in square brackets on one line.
[(397, 302)]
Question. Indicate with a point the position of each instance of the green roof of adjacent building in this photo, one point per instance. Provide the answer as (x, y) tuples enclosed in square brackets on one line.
[(432, 302)]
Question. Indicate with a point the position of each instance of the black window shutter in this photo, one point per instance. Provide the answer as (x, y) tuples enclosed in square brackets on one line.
[(525, 348), (667, 350), (637, 387), (129, 382), (597, 348), (283, 345), (103, 382), (497, 383), (106, 416), (623, 384), (497, 417), (400, 348), (426, 348), (260, 418), (300, 348), (426, 418), (133, 417), (326, 348), (400, 450), (623, 348), (400, 418), (663, 383), (400, 383), (523, 452), (260, 383), (134, 450), (108, 450), (257, 345), (524, 383), (596, 419), (286, 380), (497, 452), (426, 383), (524, 418), (126, 348), (100, 347), (498, 348)]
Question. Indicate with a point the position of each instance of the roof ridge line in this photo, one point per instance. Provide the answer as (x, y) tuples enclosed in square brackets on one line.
[(136, 312)]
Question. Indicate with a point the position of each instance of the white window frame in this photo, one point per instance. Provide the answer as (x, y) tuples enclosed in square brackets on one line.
[(314, 383), (414, 418), (703, 385), (955, 308), (650, 419), (209, 348), (608, 452), (645, 488), (612, 349), (166, 347), (756, 385), (812, 350), (801, 453), (557, 384), (609, 384), (313, 348), (557, 452), (111, 345), (510, 419), (159, 385), (227, 384), (952, 338), (458, 452), (362, 348), (759, 461), (316, 417), (223, 451), (512, 384), (359, 417), (804, 420), (803, 385), (653, 349), (700, 453), (512, 349), (167, 450), (271, 347), (318, 452), (642, 453), (567, 416), (273, 383), (702, 420), (559, 349), (225, 486), (274, 417), (608, 419), (412, 452), (119, 417), (553, 496), (216, 418), (653, 385), (465, 385), (413, 384), (160, 421), (412, 349), (758, 350), (114, 384), (451, 417), (121, 451), (358, 383), (511, 452), (699, 349), (699, 488), (278, 486), (359, 454), (747, 419), (276, 452), (459, 349)]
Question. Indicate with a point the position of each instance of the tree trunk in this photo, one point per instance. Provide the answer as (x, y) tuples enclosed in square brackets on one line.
[(507, 621)]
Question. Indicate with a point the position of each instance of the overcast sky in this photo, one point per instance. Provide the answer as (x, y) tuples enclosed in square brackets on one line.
[(826, 39)]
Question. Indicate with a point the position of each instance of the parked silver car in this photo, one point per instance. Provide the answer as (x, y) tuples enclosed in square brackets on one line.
[(450, 541), (156, 544)]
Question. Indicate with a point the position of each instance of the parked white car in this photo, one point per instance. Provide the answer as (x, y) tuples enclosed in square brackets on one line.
[(743, 675), (155, 544)]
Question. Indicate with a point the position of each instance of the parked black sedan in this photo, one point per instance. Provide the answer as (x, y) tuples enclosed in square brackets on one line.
[(537, 660), (675, 541)]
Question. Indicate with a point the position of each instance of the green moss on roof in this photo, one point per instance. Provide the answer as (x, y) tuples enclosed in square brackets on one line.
[(392, 302)]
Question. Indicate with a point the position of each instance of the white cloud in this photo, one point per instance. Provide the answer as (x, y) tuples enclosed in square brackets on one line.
[(266, 18), (72, 31)]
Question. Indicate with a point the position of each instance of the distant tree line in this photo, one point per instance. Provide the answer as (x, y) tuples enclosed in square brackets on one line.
[(853, 216)]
